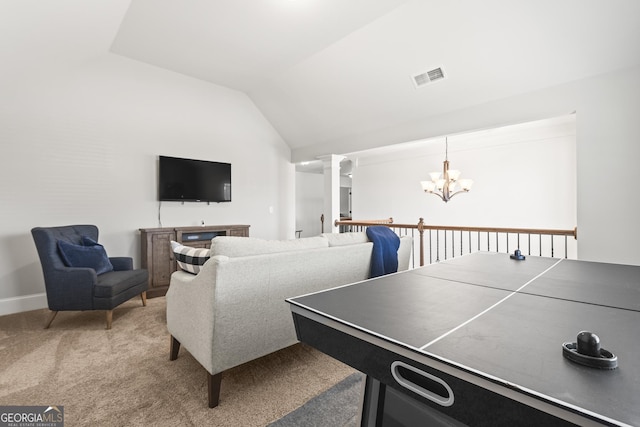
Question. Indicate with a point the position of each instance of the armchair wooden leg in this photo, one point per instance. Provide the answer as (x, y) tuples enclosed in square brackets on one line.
[(51, 317), (214, 388), (109, 318), (174, 348), (143, 297)]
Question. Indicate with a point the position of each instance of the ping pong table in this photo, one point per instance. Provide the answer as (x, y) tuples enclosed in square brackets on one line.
[(479, 340)]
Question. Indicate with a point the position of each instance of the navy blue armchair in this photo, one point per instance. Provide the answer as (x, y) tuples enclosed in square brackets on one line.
[(82, 288)]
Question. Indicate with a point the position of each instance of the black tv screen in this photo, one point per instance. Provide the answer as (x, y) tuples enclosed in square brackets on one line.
[(188, 180)]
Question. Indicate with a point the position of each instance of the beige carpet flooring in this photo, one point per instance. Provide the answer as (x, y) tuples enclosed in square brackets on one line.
[(123, 376)]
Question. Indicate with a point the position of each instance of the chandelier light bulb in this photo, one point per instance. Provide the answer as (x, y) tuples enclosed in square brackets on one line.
[(428, 186), (466, 184), (454, 174)]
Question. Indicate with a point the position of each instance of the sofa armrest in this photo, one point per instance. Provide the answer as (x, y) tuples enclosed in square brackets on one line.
[(121, 263), (190, 310), (71, 288), (405, 252)]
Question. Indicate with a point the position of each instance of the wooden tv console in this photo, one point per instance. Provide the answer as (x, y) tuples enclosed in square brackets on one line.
[(156, 255)]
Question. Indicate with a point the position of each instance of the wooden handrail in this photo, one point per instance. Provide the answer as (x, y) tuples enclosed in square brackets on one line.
[(544, 231), (421, 227), (346, 221)]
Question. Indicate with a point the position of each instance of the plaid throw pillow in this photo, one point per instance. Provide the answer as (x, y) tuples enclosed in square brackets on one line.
[(189, 259)]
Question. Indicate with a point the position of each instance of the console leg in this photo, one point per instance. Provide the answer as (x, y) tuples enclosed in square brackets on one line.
[(214, 388), (174, 348)]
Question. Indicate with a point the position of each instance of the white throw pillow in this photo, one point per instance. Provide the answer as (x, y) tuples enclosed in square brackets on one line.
[(190, 259)]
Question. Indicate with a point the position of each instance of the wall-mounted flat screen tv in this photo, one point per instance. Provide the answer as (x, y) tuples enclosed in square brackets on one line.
[(188, 180)]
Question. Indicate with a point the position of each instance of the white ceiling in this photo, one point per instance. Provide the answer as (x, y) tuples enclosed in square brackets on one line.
[(483, 139), (325, 70), (239, 43)]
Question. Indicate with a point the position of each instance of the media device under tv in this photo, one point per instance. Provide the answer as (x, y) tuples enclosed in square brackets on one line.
[(189, 180)]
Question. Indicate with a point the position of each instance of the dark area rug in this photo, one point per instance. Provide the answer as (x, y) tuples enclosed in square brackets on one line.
[(337, 407)]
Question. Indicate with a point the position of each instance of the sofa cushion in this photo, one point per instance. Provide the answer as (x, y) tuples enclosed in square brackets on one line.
[(85, 256), (116, 282), (234, 247), (342, 239), (190, 259)]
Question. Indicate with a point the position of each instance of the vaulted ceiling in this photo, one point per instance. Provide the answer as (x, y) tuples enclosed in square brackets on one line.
[(327, 72)]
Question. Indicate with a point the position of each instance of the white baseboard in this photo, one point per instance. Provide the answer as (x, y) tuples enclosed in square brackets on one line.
[(24, 303)]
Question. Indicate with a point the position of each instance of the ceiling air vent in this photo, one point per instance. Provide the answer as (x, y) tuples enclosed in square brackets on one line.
[(426, 77)]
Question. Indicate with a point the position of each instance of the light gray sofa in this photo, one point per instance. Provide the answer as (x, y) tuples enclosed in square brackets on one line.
[(234, 309)]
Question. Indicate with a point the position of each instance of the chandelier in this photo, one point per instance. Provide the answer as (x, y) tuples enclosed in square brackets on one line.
[(446, 186)]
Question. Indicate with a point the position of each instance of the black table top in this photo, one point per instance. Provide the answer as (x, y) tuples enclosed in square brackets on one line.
[(507, 320)]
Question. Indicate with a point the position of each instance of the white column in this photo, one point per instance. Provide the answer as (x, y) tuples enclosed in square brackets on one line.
[(331, 164)]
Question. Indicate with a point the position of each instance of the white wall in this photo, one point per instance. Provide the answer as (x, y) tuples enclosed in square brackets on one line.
[(345, 200), (608, 133), (524, 176), (607, 152), (81, 146), (309, 203)]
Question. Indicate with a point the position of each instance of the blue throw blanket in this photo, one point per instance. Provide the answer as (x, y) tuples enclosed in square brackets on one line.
[(384, 258)]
